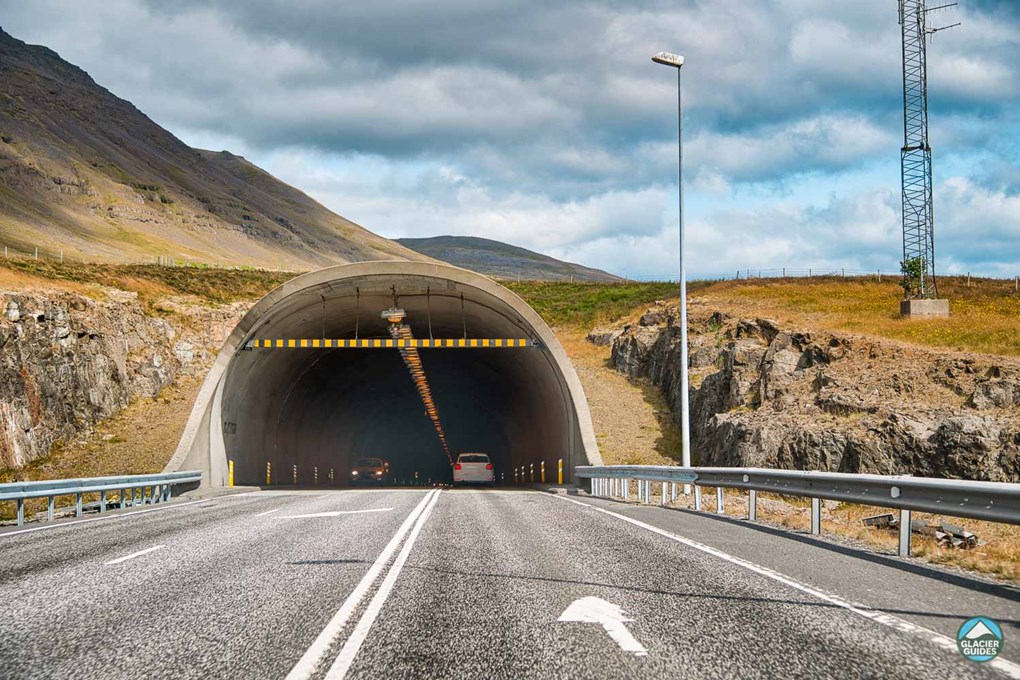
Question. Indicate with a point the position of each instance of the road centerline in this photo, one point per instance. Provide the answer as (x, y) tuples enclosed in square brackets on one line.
[(310, 660), (344, 660)]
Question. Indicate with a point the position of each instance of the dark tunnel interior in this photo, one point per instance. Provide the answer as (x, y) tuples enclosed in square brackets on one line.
[(320, 409)]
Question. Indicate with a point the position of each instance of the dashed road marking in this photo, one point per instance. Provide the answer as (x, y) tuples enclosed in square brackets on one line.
[(134, 555)]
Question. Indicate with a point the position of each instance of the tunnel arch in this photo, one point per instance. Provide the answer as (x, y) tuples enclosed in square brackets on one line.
[(321, 408)]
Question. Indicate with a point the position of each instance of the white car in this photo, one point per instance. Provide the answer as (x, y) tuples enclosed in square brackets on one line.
[(473, 468)]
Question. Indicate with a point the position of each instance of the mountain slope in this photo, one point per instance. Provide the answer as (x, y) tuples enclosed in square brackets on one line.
[(85, 172), (502, 260)]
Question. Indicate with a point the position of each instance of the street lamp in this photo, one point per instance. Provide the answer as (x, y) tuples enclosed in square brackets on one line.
[(676, 61)]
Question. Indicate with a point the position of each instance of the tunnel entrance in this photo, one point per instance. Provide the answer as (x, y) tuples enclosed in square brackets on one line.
[(315, 410)]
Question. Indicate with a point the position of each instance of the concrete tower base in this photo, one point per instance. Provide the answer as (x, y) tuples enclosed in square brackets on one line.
[(924, 309)]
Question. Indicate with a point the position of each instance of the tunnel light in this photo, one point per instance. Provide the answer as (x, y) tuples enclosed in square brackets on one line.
[(393, 314)]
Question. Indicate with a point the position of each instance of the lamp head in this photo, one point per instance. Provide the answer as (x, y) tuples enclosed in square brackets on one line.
[(669, 59)]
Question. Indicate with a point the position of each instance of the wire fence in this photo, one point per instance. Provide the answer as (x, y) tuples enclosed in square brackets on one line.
[(750, 273), (50, 255)]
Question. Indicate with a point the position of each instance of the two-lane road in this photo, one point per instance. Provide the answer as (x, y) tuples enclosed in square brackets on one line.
[(466, 583)]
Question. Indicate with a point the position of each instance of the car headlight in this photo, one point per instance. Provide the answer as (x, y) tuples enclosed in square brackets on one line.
[(378, 474), (354, 473)]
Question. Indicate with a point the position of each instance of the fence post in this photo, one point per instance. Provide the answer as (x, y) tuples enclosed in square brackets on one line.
[(37, 252)]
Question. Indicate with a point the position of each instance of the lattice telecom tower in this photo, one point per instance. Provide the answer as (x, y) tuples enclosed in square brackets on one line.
[(915, 156)]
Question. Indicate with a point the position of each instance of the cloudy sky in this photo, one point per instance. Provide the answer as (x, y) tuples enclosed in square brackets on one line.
[(546, 125)]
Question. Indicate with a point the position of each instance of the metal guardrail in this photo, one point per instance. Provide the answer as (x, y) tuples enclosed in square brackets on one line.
[(150, 488), (989, 501)]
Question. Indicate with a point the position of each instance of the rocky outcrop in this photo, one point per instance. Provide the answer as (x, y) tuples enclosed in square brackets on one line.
[(766, 396), (67, 361)]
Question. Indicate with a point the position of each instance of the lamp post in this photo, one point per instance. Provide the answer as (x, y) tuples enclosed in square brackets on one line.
[(676, 61)]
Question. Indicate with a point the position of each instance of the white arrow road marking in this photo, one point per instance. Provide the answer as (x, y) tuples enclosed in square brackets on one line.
[(134, 555), (336, 513), (609, 616)]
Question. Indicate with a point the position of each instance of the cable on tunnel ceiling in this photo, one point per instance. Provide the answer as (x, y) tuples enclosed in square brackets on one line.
[(323, 316), (428, 308), (412, 359), (357, 310), (463, 315)]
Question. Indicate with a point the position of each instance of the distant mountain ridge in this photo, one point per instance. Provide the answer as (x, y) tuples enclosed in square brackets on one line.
[(502, 260), (86, 173)]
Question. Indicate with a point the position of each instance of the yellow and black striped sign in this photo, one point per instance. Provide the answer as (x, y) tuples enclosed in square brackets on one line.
[(383, 343)]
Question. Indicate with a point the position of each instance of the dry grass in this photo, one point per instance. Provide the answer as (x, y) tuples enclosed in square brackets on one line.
[(985, 316)]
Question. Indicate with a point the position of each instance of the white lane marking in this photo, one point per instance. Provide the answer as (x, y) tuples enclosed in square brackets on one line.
[(335, 513), (338, 671), (1009, 668), (309, 662), (607, 615), (100, 519), (268, 512), (134, 555)]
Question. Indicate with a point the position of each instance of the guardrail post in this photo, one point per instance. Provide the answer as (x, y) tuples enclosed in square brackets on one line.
[(816, 516), (648, 493), (541, 467), (102, 501), (21, 512), (132, 497), (752, 505), (697, 497), (672, 491), (626, 489), (559, 471), (904, 550), (77, 505), (663, 493), (720, 501)]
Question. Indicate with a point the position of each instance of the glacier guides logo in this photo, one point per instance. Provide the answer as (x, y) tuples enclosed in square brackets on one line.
[(979, 639)]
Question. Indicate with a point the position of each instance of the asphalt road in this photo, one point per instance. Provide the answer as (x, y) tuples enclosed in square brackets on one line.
[(471, 584)]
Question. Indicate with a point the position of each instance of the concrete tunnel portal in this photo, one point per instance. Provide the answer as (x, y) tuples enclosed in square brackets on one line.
[(322, 408)]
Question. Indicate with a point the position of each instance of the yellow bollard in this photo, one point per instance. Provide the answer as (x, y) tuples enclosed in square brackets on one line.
[(269, 473), (542, 471), (559, 471), (230, 473)]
